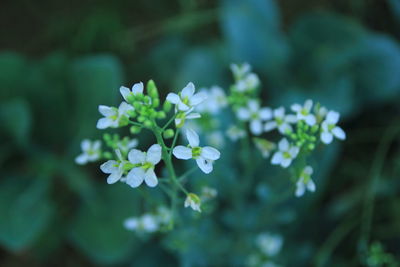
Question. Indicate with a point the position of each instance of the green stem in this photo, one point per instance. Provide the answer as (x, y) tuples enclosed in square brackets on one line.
[(169, 122)]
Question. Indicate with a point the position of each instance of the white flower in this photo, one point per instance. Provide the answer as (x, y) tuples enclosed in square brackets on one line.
[(249, 82), (181, 117), (240, 71), (280, 121), (146, 223), (305, 182), (114, 117), (285, 154), (303, 113), (320, 112), (329, 128), (186, 99), (91, 151), (235, 133), (216, 138), (264, 146), (204, 156), (126, 93), (114, 167), (145, 162), (269, 244), (208, 193), (216, 100), (125, 144), (193, 201), (255, 115), (164, 215)]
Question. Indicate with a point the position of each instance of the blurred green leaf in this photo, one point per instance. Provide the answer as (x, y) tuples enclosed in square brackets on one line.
[(12, 70), (25, 211)]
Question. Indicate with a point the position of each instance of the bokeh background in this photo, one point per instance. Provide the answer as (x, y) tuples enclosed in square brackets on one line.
[(60, 59)]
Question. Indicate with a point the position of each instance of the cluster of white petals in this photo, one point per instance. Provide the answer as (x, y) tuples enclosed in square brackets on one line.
[(305, 182), (113, 116), (255, 115), (91, 151), (285, 154)]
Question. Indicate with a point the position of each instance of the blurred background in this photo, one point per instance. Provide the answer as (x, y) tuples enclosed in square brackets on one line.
[(60, 59)]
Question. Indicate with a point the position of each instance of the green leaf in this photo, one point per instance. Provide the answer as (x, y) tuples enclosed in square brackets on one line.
[(25, 211)]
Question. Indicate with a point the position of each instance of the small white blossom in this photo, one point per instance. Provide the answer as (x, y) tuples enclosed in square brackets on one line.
[(126, 93), (181, 117), (264, 146), (204, 156), (269, 244), (240, 71), (329, 128), (303, 113), (320, 113), (186, 99), (147, 223), (145, 162), (255, 115), (208, 193), (249, 82), (305, 182), (216, 100), (280, 121), (114, 167), (193, 201), (234, 133), (286, 153), (91, 151), (126, 145), (113, 117), (164, 215)]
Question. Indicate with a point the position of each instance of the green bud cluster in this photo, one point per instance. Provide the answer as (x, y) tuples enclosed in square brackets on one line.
[(305, 136)]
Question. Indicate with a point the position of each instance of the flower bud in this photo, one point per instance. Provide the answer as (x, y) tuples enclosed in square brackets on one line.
[(152, 89), (156, 102), (169, 133), (141, 118), (161, 115), (135, 129), (193, 201), (167, 106), (107, 155), (148, 123)]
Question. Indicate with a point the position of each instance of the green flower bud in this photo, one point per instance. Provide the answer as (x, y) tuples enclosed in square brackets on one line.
[(107, 155), (107, 137), (132, 113), (156, 102), (135, 129), (148, 123), (137, 105), (147, 99), (169, 133), (141, 118), (161, 115), (152, 89), (167, 106), (311, 146)]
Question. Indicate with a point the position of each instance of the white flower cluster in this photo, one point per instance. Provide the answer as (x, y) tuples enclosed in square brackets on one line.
[(149, 223), (245, 80), (91, 151), (268, 246)]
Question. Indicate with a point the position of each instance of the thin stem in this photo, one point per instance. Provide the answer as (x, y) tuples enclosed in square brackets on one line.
[(136, 124), (174, 141), (186, 174), (169, 122)]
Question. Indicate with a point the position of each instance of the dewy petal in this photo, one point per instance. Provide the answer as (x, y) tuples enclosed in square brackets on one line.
[(182, 152), (85, 145), (192, 137), (243, 114), (136, 156), (109, 166), (82, 159), (103, 123), (296, 107), (125, 92), (204, 165), (310, 119), (277, 158), (173, 98), (269, 126), (283, 145), (137, 88), (279, 112), (332, 117), (210, 153), (188, 91), (154, 154), (150, 178), (115, 176), (198, 98), (256, 127), (308, 104), (135, 177), (339, 133), (265, 113), (106, 111), (326, 137)]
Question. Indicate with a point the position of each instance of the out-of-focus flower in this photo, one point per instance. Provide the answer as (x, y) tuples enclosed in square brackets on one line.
[(91, 151), (114, 117), (193, 201), (114, 167), (305, 182), (186, 99), (255, 115), (329, 128), (234, 133), (280, 121), (303, 113), (286, 153)]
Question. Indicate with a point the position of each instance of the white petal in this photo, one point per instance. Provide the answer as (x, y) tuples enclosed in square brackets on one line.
[(115, 176), (277, 158), (106, 111), (173, 98), (311, 186), (136, 156), (109, 166), (192, 137), (308, 104), (124, 107), (300, 189), (96, 145), (265, 113), (204, 165), (291, 118), (154, 154), (332, 117), (279, 112), (310, 119), (286, 162), (150, 178), (85, 145), (283, 145), (104, 123), (339, 133), (243, 114), (125, 92), (137, 88), (131, 223), (82, 159), (308, 170), (182, 106), (193, 116), (182, 152), (293, 151), (188, 91), (135, 177), (296, 107), (253, 106), (198, 98), (256, 127), (210, 153), (285, 127), (269, 126), (326, 137)]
